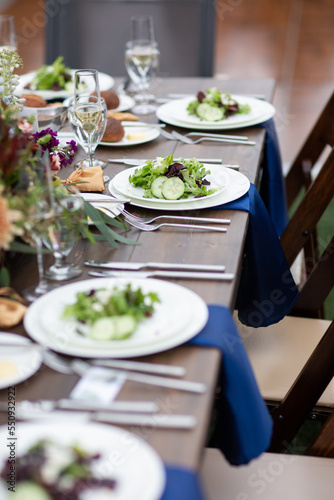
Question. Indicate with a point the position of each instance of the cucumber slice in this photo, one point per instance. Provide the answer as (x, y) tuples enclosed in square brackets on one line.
[(27, 490), (115, 328), (103, 329), (210, 113), (156, 186), (125, 326), (173, 188)]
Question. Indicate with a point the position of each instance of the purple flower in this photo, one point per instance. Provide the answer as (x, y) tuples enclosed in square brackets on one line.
[(48, 141)]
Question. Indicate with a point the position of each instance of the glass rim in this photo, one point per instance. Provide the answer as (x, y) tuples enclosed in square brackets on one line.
[(144, 41), (72, 99)]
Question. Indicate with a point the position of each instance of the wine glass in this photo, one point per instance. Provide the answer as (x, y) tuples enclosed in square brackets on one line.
[(142, 60), (87, 115), (63, 234), (39, 216), (86, 82), (7, 33)]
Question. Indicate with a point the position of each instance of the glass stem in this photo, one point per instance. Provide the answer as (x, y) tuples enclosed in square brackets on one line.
[(42, 283), (90, 152)]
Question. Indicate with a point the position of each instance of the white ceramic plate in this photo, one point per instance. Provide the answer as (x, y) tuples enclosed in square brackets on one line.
[(237, 185), (111, 209), (125, 102), (106, 83), (179, 316), (218, 180), (136, 467), (175, 113), (25, 362), (151, 133)]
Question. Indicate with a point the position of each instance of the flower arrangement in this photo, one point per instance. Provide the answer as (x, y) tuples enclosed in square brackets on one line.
[(20, 152)]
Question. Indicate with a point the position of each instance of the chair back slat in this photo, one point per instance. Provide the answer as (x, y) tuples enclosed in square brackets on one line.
[(318, 285), (304, 221), (321, 135)]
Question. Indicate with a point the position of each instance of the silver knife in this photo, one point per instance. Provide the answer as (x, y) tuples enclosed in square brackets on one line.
[(140, 161), (166, 421), (164, 274), (130, 124), (73, 404), (136, 266)]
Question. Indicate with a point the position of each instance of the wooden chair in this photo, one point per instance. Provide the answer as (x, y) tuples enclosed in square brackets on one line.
[(291, 348), (269, 477), (301, 233)]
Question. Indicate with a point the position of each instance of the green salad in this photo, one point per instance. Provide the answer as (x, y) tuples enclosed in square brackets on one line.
[(55, 76), (111, 314), (212, 106), (166, 179)]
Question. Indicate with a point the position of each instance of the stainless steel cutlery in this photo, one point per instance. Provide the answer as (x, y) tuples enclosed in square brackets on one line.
[(187, 140), (164, 274), (137, 266), (74, 404), (148, 220), (140, 161)]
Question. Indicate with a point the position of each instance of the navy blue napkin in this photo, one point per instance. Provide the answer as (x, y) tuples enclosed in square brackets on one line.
[(267, 290), (244, 426), (182, 484), (272, 188)]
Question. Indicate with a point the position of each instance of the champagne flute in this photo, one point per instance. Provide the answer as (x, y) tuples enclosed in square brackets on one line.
[(63, 234), (86, 82), (87, 115), (7, 33), (142, 60)]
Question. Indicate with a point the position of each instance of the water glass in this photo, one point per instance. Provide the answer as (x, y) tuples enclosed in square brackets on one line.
[(7, 33)]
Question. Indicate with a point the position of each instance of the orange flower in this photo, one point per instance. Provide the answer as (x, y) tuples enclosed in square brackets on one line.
[(8, 229)]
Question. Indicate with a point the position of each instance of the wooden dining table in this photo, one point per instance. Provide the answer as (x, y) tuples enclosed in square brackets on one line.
[(170, 245)]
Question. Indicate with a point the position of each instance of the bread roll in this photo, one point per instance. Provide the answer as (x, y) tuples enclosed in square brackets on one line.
[(114, 131), (111, 98), (34, 101)]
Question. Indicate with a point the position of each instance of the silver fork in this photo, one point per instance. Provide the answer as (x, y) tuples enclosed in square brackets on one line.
[(63, 365), (187, 140), (148, 220), (80, 367), (153, 227), (167, 135)]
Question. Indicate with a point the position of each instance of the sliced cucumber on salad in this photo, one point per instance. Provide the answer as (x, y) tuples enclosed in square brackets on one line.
[(210, 113), (164, 178), (110, 314), (173, 188), (115, 328), (27, 490), (157, 185)]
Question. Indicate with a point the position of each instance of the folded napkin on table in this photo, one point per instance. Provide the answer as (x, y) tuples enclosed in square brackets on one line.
[(273, 184), (244, 426), (12, 307), (267, 290), (87, 179), (182, 484)]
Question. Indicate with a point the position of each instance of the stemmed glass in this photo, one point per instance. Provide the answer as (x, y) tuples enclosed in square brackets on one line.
[(62, 235), (7, 33), (87, 113), (142, 60), (39, 217)]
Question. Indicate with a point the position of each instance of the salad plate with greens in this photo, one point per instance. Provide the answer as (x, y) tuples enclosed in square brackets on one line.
[(164, 180), (66, 459), (55, 81), (116, 317), (214, 110)]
